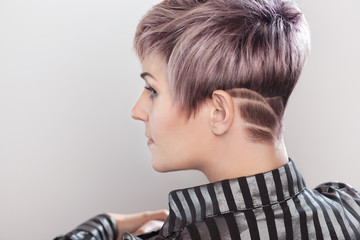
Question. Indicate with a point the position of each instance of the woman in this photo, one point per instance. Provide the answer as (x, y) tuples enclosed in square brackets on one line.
[(218, 75)]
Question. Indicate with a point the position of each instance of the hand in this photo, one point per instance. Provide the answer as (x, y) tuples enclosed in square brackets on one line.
[(139, 223)]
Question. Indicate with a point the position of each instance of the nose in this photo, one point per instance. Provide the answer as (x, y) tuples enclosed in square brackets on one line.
[(139, 111)]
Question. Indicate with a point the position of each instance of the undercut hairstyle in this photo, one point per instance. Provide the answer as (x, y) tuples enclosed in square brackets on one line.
[(257, 47)]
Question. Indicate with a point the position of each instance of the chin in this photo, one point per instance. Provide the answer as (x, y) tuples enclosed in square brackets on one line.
[(157, 166), (162, 166), (160, 170)]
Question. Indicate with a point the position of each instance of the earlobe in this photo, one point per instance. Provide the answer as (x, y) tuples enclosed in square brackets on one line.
[(222, 112)]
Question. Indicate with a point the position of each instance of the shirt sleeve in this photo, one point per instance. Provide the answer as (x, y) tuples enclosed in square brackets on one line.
[(146, 236), (101, 227)]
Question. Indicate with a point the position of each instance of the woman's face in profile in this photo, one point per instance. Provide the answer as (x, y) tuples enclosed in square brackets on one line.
[(175, 142)]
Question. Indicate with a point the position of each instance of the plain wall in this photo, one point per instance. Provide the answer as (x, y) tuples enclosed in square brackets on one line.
[(68, 79)]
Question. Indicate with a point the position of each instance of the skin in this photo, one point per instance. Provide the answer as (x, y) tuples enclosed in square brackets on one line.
[(212, 141), (139, 223)]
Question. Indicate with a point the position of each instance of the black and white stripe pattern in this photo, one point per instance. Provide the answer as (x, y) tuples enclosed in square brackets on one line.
[(273, 205), (101, 227)]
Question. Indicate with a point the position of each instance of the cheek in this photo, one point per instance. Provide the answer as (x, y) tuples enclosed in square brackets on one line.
[(165, 129), (163, 123)]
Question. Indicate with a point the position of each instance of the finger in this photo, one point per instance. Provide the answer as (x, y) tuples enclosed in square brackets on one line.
[(160, 215), (153, 225)]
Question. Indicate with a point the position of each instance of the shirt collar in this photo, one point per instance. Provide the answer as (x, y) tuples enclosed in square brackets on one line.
[(197, 203)]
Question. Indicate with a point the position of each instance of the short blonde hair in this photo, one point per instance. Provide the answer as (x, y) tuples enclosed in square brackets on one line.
[(259, 45)]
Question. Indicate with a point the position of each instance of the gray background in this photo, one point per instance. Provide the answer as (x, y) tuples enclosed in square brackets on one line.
[(68, 79)]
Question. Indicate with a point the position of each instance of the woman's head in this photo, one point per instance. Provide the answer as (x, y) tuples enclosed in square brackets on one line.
[(256, 46)]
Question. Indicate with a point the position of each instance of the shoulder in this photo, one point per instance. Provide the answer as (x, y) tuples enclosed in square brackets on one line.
[(339, 191)]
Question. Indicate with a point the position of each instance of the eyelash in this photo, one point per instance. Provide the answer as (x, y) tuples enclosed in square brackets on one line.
[(153, 92)]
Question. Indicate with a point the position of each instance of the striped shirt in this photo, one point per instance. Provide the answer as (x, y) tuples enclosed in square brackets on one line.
[(100, 227), (272, 205)]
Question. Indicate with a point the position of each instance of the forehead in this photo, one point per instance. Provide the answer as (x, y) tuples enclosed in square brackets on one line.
[(155, 66)]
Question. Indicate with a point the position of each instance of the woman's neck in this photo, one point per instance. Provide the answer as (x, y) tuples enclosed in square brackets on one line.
[(245, 159)]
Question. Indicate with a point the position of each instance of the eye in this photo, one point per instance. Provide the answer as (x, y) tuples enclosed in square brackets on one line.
[(153, 92)]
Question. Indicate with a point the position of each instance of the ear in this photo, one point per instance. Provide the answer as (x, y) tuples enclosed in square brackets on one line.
[(222, 112)]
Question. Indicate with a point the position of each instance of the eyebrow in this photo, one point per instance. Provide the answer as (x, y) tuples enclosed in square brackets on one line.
[(144, 74)]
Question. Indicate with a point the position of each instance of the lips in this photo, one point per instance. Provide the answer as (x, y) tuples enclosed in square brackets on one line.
[(150, 141)]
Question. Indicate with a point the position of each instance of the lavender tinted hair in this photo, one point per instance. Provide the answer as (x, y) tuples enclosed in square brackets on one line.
[(255, 46)]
